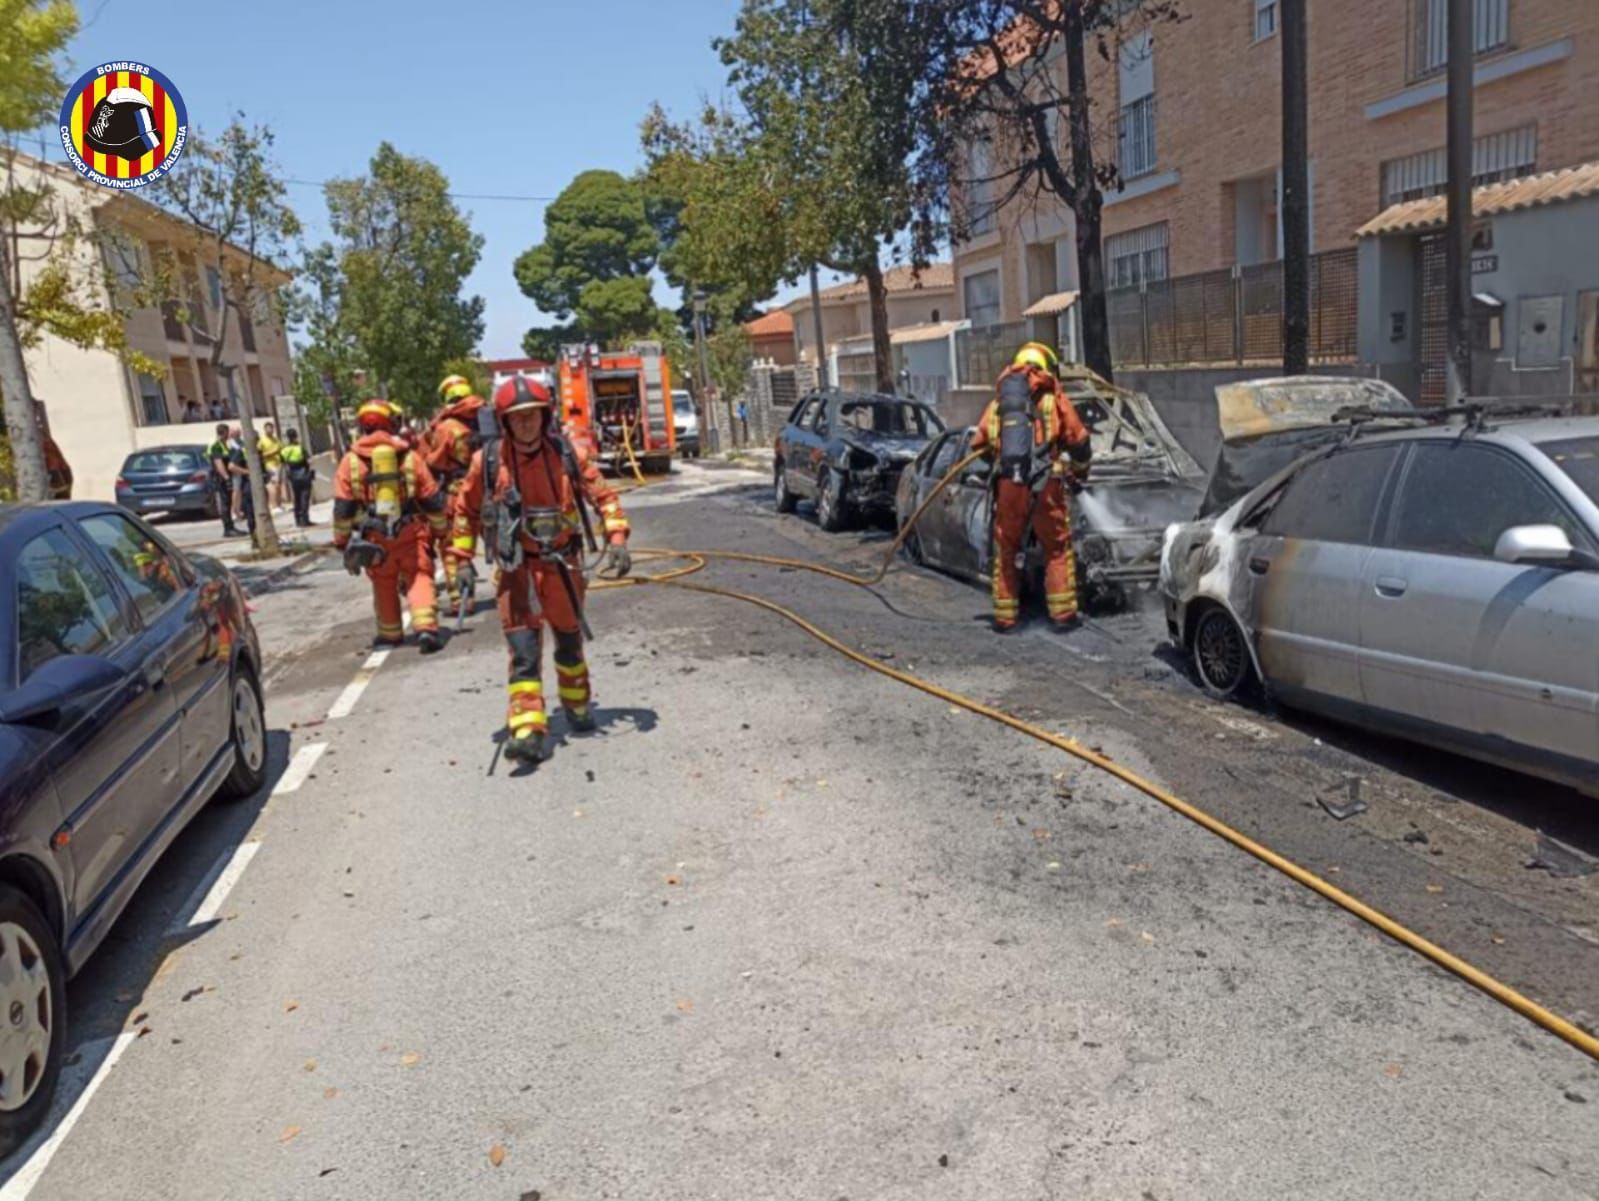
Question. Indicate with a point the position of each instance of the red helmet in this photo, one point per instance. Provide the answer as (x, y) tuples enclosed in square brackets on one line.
[(376, 415), (518, 393)]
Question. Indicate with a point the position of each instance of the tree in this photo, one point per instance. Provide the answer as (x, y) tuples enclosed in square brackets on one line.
[(988, 74), (593, 267), (237, 228), (403, 251), (30, 87)]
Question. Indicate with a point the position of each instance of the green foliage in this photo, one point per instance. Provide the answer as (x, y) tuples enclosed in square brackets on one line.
[(401, 256), (593, 267), (545, 342), (31, 86)]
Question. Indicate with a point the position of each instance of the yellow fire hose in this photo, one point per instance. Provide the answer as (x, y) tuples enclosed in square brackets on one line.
[(627, 445), (694, 561)]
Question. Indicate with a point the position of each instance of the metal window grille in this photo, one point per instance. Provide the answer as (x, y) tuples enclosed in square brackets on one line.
[(1136, 137), (1265, 19), (1496, 157), (1491, 26), (982, 298), (153, 401), (979, 190), (1137, 256)]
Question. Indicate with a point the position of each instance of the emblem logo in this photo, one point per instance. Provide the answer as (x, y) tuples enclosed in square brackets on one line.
[(123, 125)]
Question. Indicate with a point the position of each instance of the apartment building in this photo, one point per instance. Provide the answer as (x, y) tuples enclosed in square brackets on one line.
[(100, 409), (1197, 137), (915, 298)]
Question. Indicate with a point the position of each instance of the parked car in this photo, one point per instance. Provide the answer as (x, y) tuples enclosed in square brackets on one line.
[(846, 450), (129, 696), (167, 479), (1434, 578), (686, 424), (1141, 480)]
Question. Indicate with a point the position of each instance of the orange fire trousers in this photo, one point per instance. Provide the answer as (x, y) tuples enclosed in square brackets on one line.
[(523, 626), (1052, 523), (407, 567)]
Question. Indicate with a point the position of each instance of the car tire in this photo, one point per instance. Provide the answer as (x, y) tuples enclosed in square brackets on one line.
[(34, 997), (784, 495), (913, 548), (832, 510), (1221, 655), (247, 734)]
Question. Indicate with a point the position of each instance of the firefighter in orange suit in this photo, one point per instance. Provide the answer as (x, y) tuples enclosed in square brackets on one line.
[(450, 442), (1042, 450), (526, 492), (387, 511)]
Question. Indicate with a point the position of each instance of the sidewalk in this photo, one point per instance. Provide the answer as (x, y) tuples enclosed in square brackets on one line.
[(299, 546)]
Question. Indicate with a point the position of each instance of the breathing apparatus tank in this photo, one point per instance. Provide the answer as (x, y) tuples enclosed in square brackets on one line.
[(387, 500), (1016, 449)]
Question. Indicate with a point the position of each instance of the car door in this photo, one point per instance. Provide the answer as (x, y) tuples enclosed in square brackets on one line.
[(798, 443), (185, 622), (1303, 569), (117, 758), (933, 530), (1497, 652)]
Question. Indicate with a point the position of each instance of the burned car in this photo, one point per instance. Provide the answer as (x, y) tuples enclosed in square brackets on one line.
[(1141, 481), (1434, 575), (845, 451)]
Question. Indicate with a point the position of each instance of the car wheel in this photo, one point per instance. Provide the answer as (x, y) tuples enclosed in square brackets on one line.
[(248, 737), (786, 500), (913, 548), (33, 1018), (1221, 655), (831, 508)]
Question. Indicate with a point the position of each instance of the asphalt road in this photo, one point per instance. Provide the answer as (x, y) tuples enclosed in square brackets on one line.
[(785, 929)]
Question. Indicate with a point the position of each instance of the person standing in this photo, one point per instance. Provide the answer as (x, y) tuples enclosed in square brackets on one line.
[(525, 490), (222, 481), (450, 443), (271, 452), (297, 467), (239, 470)]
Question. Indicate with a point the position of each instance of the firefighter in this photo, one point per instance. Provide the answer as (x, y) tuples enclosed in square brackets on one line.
[(526, 491), (1028, 426), (387, 510), (451, 440)]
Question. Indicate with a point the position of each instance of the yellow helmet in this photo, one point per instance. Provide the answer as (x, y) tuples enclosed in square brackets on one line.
[(1036, 354), (454, 387)]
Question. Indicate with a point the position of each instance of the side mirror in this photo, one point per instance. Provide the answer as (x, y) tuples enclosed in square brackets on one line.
[(57, 684), (1540, 546)]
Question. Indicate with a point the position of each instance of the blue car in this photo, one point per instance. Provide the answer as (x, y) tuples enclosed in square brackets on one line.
[(129, 696)]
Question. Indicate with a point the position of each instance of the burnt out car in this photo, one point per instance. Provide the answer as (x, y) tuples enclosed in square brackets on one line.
[(1142, 480), (845, 451)]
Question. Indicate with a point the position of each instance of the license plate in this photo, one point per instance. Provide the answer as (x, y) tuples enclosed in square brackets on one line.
[(158, 502)]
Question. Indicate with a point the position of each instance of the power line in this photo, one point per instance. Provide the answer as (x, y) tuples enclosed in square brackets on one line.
[(322, 183)]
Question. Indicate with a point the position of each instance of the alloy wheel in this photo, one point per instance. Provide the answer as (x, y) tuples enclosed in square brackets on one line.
[(249, 733), (27, 1016), (1220, 656)]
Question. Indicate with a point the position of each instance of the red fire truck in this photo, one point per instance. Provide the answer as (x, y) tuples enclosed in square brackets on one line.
[(619, 401)]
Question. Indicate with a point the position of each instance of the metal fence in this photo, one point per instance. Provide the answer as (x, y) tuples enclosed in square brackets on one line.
[(1234, 316)]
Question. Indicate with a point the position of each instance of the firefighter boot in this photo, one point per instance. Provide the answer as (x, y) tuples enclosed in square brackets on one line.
[(429, 642), (572, 673)]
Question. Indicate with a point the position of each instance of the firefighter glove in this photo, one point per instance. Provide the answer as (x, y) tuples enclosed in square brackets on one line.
[(359, 555), (616, 562)]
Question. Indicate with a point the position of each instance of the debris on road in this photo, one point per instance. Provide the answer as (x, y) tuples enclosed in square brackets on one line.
[(1561, 861), (1352, 803)]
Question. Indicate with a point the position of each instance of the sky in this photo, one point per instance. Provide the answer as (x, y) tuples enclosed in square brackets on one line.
[(507, 98)]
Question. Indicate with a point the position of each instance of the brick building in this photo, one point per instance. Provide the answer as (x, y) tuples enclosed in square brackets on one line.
[(1197, 135)]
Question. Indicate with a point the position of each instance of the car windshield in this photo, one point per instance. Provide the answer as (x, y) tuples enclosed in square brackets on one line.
[(163, 460), (1579, 459), (897, 418), (683, 404)]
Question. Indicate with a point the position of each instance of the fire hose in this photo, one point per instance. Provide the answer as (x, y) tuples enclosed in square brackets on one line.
[(691, 562)]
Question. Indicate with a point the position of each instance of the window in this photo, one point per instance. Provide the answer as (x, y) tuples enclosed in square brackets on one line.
[(979, 189), (1459, 498), (1495, 157), (65, 605), (122, 255), (164, 460), (982, 298), (1334, 500), (1135, 131), (815, 411), (1138, 256), (1579, 459), (152, 400), (1265, 19), (939, 463), (150, 574), (893, 418), (1490, 22), (213, 279)]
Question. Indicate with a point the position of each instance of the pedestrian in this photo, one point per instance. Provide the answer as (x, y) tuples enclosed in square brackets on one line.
[(239, 470), (525, 490), (744, 422), (214, 409), (271, 452), (1028, 426), (222, 480), (56, 467), (386, 509), (191, 411), (297, 466)]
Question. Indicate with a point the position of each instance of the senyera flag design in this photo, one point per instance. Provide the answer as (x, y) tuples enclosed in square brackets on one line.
[(123, 124)]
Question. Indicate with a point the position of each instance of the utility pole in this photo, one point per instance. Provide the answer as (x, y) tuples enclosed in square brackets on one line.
[(707, 409), (821, 338), (1462, 48), (1296, 190)]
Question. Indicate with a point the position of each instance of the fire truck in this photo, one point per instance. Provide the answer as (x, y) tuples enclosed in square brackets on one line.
[(619, 401)]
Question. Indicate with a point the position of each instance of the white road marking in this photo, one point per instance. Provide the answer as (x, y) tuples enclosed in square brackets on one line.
[(26, 1177), (300, 767), (208, 909), (345, 705)]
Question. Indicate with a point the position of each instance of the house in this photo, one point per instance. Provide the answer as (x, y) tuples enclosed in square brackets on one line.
[(915, 298), (100, 410), (1191, 237), (772, 338)]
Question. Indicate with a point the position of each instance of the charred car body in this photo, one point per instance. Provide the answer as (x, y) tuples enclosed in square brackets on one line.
[(846, 451), (1434, 576), (1141, 481)]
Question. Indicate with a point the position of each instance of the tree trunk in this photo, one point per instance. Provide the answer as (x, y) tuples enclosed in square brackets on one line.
[(1089, 203), (882, 348), (265, 536), (22, 427)]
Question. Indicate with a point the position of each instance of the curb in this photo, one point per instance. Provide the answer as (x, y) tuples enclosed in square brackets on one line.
[(255, 588)]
